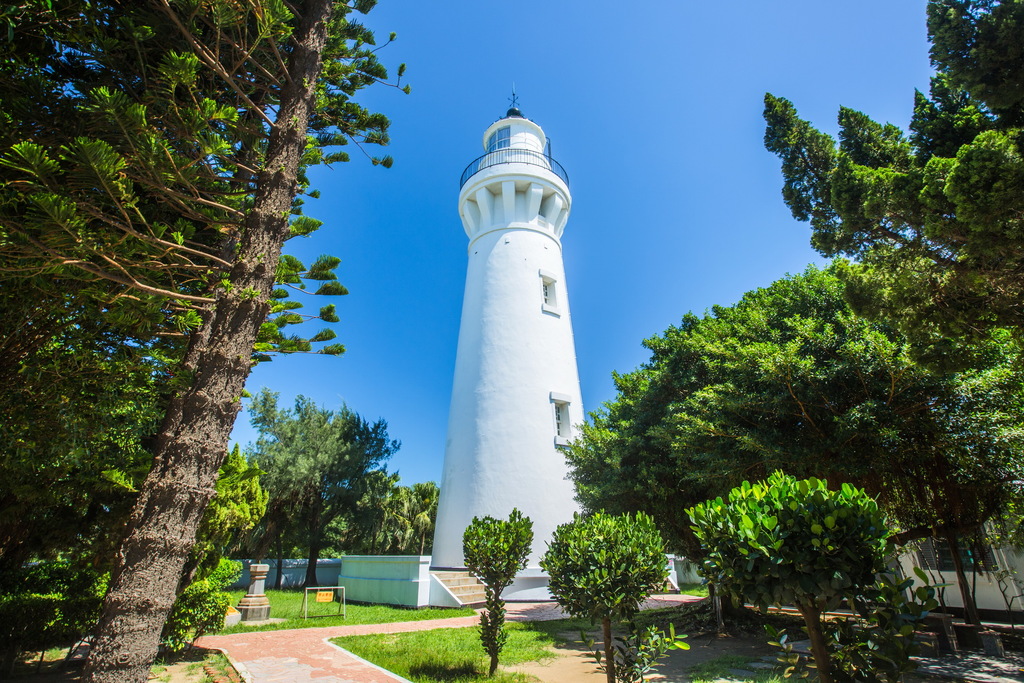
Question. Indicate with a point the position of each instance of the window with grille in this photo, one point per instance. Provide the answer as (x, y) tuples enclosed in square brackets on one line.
[(936, 555), (549, 292), (563, 424)]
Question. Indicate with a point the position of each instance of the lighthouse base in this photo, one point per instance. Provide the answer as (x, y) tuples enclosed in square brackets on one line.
[(531, 585)]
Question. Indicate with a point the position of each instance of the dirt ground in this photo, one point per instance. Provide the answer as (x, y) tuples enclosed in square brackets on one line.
[(187, 669), (574, 663)]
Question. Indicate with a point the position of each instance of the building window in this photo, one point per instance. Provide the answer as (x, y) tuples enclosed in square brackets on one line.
[(563, 424), (936, 555), (561, 419), (500, 139), (549, 292)]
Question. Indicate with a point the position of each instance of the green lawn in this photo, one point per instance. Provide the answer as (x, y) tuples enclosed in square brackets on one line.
[(455, 654), (447, 655), (288, 605), (718, 668), (698, 589)]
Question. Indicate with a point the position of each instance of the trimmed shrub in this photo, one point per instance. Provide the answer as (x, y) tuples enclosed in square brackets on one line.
[(796, 542), (495, 550), (603, 567)]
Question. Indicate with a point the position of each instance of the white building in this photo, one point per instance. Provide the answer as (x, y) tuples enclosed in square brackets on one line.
[(516, 393)]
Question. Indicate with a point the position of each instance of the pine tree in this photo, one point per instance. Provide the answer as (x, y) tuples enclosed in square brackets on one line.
[(932, 218), (152, 152)]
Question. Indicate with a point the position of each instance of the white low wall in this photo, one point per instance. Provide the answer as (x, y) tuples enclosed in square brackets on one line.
[(294, 573), (388, 579), (402, 580), (686, 571)]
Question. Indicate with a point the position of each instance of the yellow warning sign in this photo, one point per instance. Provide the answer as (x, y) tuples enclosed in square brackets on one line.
[(324, 596)]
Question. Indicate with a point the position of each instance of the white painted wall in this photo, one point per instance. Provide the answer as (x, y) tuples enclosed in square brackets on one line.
[(327, 571), (387, 579), (514, 354), (988, 594)]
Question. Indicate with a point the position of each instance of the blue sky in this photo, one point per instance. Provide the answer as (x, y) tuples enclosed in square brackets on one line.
[(653, 108)]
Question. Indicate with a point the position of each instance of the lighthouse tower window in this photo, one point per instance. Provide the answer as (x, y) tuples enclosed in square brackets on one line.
[(563, 426), (500, 139), (549, 292)]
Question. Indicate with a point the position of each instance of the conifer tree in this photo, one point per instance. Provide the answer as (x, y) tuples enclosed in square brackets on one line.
[(152, 151), (932, 218), (317, 463)]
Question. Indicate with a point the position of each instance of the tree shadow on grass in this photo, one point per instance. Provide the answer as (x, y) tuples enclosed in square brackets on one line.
[(440, 671)]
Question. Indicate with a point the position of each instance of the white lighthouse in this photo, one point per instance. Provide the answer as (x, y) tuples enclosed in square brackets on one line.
[(516, 392)]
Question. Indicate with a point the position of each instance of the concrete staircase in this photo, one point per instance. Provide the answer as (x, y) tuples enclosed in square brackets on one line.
[(464, 586)]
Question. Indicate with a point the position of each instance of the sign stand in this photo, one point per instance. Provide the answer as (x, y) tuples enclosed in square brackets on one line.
[(324, 594)]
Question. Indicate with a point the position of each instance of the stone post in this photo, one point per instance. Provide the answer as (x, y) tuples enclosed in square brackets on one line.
[(255, 606)]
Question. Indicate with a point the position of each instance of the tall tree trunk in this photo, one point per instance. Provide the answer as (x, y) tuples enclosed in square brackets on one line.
[(192, 442), (315, 543), (970, 607), (812, 619), (279, 580)]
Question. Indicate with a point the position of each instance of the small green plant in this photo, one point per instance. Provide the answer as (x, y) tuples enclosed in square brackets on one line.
[(495, 550), (602, 568), (636, 655), (200, 608), (791, 542)]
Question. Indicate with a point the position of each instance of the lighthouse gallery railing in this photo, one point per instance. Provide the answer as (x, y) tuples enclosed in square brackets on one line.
[(513, 155)]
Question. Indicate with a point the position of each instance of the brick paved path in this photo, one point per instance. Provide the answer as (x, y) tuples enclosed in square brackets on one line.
[(305, 654)]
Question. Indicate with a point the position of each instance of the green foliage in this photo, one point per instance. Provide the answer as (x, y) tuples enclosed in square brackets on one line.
[(149, 158), (1007, 530), (796, 542), (317, 465), (240, 502), (391, 519), (602, 567), (79, 407), (49, 604), (975, 43), (791, 378), (791, 542), (128, 164), (878, 644), (201, 607), (932, 219), (638, 653), (495, 550), (129, 161)]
